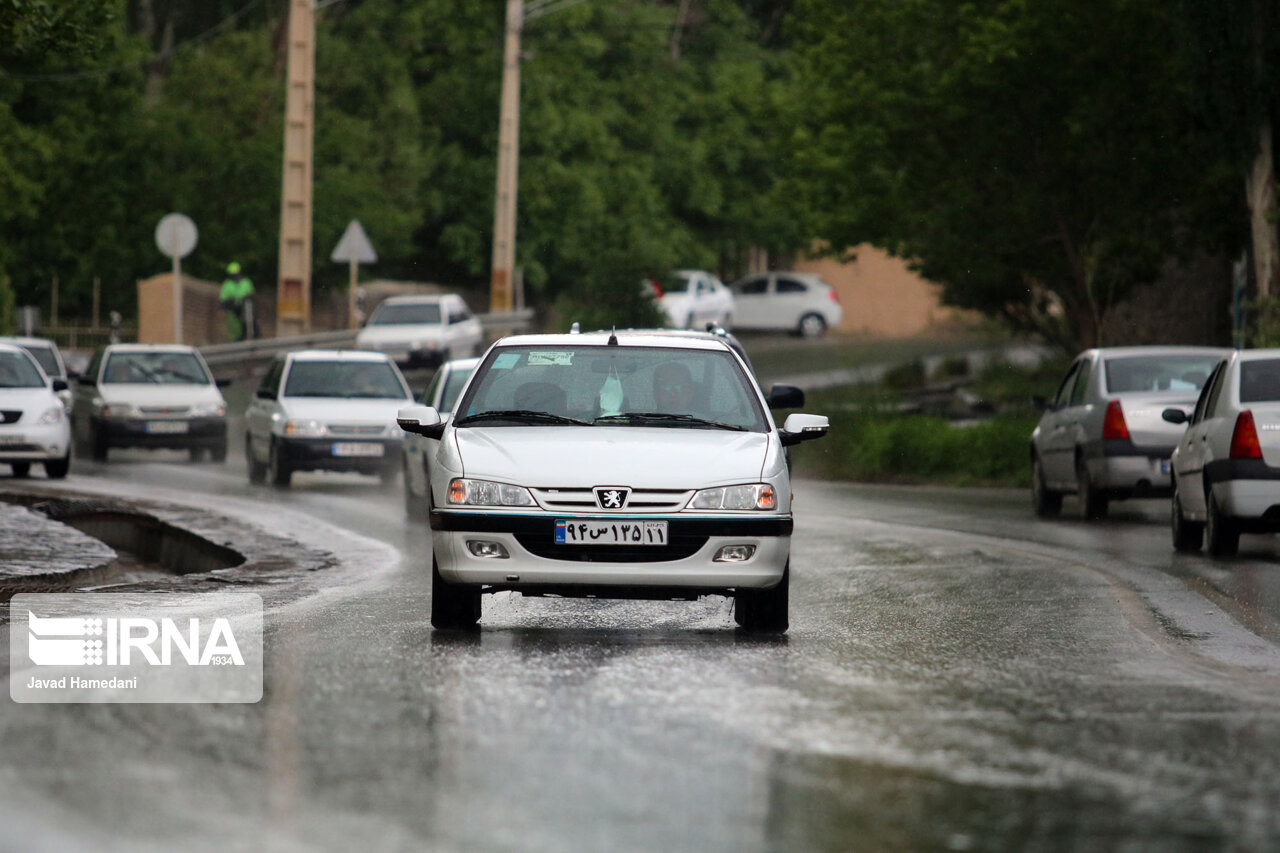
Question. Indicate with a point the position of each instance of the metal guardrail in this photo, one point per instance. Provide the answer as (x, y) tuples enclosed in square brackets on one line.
[(252, 353)]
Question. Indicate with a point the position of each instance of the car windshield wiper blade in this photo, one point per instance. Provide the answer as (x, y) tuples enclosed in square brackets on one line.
[(520, 415), (668, 417)]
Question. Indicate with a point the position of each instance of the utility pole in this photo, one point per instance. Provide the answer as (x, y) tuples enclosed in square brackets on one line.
[(293, 296), (504, 211)]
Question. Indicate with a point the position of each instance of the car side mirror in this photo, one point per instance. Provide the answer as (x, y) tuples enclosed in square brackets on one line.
[(421, 420), (265, 394), (785, 397), (60, 385), (1175, 416), (800, 428)]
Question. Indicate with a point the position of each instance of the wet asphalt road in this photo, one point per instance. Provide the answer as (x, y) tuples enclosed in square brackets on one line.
[(958, 676)]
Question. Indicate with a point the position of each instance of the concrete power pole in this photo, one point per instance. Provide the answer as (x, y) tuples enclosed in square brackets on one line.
[(293, 296), (504, 211)]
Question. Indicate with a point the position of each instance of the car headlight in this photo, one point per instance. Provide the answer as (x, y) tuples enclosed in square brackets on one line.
[(208, 410), (118, 410), (464, 492), (304, 429), (753, 496), (53, 415)]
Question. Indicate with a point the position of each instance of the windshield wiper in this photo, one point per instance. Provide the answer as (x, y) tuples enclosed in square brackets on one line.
[(667, 417), (521, 415)]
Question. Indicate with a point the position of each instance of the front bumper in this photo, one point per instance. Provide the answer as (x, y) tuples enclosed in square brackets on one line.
[(34, 443), (329, 454), (159, 432), (535, 561)]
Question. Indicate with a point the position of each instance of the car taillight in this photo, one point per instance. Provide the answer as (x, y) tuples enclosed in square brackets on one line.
[(1113, 425), (1244, 438), (833, 296)]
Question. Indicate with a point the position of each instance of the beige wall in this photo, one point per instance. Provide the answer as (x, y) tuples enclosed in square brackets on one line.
[(880, 295), (202, 321)]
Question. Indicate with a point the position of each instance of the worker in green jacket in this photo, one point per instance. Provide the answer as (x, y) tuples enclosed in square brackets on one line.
[(236, 299)]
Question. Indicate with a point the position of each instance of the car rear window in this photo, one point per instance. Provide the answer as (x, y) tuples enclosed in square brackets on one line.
[(1138, 373), (452, 386), (1260, 381), (48, 361), (420, 313)]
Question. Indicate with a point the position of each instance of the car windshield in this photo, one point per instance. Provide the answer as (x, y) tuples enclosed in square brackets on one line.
[(347, 379), (48, 361), (612, 387), (1260, 381), (407, 314), (453, 386), (159, 368), (1159, 372), (19, 371)]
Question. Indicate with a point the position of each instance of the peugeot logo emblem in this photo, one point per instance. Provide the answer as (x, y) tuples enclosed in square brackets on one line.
[(612, 497)]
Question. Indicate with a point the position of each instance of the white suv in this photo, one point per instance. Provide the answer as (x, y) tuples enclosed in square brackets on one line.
[(613, 465), (422, 330)]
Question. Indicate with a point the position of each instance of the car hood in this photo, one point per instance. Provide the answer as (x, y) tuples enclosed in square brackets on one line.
[(33, 400), (152, 394), (639, 457), (344, 411), (392, 334)]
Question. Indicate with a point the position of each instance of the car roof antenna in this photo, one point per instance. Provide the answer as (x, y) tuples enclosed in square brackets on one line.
[(613, 338)]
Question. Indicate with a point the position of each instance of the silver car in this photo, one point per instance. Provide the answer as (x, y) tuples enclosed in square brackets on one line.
[(1227, 465), (1103, 437)]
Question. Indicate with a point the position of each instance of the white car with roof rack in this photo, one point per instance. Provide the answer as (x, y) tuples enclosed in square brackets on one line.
[(33, 421), (614, 465), (325, 410)]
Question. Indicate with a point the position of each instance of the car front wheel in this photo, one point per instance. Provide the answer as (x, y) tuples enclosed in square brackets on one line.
[(56, 469), (257, 471), (278, 471), (764, 611), (1187, 535), (1221, 531), (453, 606)]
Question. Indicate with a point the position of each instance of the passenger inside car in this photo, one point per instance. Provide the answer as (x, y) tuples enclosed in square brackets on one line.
[(673, 389)]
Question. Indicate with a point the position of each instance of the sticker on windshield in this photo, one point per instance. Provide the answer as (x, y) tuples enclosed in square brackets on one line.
[(506, 361), (545, 357)]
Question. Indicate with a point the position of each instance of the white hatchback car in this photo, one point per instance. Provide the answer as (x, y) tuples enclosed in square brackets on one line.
[(1102, 437), (151, 396), (33, 420), (1227, 465), (613, 465), (786, 301), (693, 298), (440, 395), (422, 330), (325, 410)]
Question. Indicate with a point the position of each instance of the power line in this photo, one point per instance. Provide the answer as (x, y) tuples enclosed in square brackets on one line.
[(86, 73)]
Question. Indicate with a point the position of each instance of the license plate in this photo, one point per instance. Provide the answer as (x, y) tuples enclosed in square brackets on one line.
[(357, 448), (621, 532), (12, 439), (167, 426)]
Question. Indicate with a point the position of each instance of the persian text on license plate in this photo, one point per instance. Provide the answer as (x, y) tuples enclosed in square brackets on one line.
[(357, 448), (166, 426), (621, 532)]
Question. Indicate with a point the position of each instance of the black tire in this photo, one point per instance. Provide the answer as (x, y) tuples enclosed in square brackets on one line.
[(764, 611), (1045, 502), (453, 607), (278, 471), (1187, 535), (811, 326), (1093, 502), (21, 470), (257, 471), (1222, 531), (56, 469), (388, 475), (98, 445), (195, 454)]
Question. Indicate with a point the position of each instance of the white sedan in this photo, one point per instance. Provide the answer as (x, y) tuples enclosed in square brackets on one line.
[(693, 298), (613, 465), (1227, 465), (786, 302), (33, 421)]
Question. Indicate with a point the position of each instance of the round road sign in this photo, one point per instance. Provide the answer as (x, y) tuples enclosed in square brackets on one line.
[(176, 235)]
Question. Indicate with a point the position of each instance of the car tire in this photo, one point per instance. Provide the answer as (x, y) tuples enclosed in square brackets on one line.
[(98, 444), (453, 606), (1093, 502), (764, 611), (387, 476), (257, 471), (812, 326), (21, 470), (1187, 535), (1222, 531), (415, 507), (278, 471), (1045, 502), (56, 469), (195, 454)]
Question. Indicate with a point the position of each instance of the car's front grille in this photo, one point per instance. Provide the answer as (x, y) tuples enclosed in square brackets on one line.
[(164, 410), (356, 429), (10, 416), (640, 500), (544, 545)]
